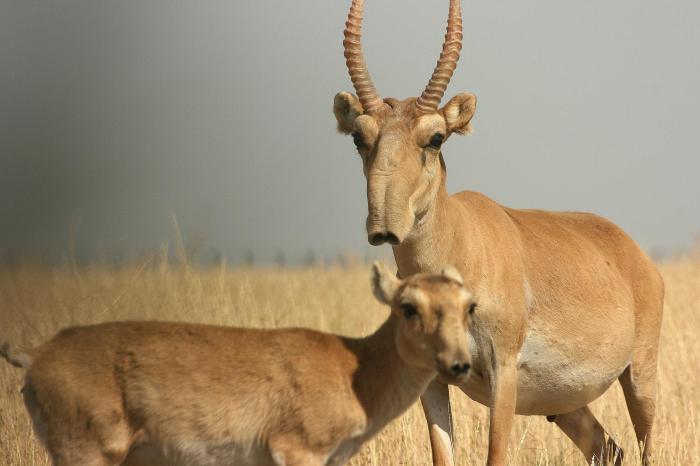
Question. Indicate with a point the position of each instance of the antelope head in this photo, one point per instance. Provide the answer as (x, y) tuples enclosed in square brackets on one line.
[(432, 312), (400, 140)]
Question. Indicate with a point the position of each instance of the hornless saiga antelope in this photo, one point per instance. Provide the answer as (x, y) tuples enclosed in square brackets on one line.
[(568, 303), (205, 395)]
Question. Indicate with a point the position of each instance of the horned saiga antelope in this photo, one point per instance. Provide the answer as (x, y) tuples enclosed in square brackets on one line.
[(205, 395), (568, 303)]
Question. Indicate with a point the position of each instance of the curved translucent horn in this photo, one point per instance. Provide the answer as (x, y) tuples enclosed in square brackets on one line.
[(429, 101), (355, 60)]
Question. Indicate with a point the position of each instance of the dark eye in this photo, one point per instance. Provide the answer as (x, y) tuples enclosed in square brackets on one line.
[(357, 139), (436, 140), (472, 308), (409, 310)]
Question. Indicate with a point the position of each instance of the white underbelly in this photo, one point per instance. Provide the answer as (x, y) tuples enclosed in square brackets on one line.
[(556, 378), (551, 381)]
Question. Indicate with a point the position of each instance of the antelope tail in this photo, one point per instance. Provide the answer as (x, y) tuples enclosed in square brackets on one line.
[(14, 357)]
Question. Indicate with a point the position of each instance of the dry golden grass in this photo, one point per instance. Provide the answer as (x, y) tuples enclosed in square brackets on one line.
[(35, 302)]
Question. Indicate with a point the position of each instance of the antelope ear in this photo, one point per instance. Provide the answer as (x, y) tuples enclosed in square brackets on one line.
[(458, 113), (384, 283), (453, 274), (346, 108)]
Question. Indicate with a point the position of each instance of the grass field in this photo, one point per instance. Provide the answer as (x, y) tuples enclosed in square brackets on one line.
[(36, 301)]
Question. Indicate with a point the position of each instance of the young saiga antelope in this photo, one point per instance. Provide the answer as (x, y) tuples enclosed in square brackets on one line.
[(219, 395)]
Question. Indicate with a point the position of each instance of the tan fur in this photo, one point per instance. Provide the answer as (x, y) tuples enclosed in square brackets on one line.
[(171, 393), (568, 303)]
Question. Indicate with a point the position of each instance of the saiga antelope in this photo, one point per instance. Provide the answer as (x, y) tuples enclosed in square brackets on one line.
[(568, 302), (208, 395)]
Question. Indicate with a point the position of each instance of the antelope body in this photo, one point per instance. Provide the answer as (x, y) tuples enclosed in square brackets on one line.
[(568, 303), (190, 394)]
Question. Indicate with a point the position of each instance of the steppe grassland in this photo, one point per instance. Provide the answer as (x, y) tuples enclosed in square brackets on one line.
[(36, 301)]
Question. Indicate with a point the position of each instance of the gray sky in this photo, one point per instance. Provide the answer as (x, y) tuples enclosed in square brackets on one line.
[(117, 114)]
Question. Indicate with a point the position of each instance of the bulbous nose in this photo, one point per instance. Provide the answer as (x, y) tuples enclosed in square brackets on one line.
[(453, 367), (459, 368), (375, 239)]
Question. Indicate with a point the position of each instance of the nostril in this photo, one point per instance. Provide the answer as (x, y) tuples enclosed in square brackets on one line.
[(458, 368), (391, 238), (377, 239)]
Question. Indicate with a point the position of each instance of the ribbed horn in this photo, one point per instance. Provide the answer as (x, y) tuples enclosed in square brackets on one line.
[(355, 60), (429, 101)]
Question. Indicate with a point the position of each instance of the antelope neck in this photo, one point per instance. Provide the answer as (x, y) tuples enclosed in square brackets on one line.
[(384, 383), (429, 245)]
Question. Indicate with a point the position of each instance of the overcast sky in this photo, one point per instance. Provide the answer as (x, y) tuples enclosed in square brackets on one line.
[(117, 114)]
